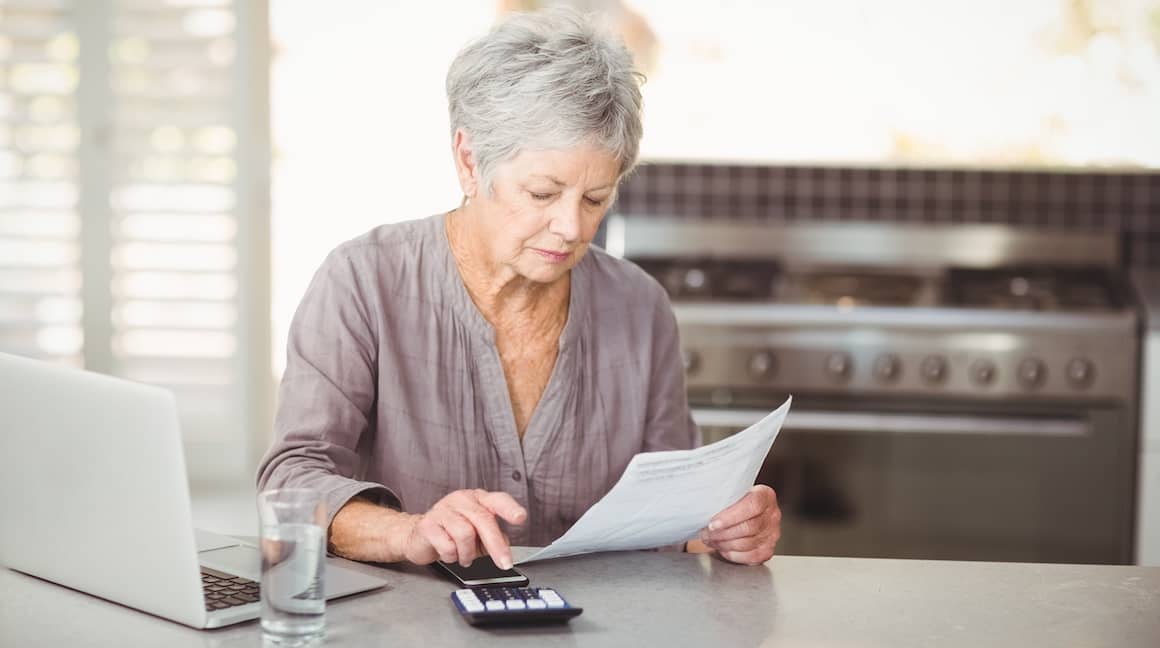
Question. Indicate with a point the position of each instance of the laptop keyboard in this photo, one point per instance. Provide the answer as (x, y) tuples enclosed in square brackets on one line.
[(223, 590)]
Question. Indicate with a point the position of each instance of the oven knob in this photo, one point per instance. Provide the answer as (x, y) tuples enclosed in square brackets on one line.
[(1031, 373), (762, 365), (983, 372), (1080, 372), (690, 360), (933, 369), (695, 279), (887, 368), (838, 366)]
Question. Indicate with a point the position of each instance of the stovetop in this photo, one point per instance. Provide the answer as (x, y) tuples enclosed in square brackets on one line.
[(849, 289), (1036, 289), (1053, 289), (737, 280), (954, 313), (1049, 332)]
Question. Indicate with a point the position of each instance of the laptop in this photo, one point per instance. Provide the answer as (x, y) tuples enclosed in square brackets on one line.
[(94, 496)]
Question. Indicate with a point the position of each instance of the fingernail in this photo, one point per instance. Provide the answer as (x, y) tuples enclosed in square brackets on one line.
[(505, 563), (714, 525)]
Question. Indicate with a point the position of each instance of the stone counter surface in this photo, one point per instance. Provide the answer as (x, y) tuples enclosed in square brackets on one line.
[(673, 599)]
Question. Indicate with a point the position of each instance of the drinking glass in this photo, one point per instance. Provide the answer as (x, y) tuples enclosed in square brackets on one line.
[(293, 544)]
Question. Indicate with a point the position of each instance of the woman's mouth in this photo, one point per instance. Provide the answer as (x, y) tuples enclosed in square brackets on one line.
[(553, 257)]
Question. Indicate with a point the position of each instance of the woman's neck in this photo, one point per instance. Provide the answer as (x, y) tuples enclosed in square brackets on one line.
[(505, 299)]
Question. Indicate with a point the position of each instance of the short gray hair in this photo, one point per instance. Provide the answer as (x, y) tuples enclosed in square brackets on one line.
[(545, 80)]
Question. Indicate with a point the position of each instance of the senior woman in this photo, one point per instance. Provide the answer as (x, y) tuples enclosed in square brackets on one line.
[(476, 379)]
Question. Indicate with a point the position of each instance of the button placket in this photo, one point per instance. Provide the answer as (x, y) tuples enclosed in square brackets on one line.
[(503, 423), (548, 409)]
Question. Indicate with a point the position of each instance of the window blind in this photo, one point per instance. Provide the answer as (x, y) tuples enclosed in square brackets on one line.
[(40, 278), (123, 235)]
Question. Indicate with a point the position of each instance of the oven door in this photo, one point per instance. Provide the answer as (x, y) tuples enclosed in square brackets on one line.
[(1011, 484)]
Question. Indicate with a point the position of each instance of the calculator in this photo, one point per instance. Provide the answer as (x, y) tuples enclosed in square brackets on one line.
[(512, 605)]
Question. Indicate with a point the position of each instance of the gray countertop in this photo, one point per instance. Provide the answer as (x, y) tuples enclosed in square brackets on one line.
[(674, 599)]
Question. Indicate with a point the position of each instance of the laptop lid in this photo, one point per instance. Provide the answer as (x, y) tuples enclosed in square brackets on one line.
[(93, 493)]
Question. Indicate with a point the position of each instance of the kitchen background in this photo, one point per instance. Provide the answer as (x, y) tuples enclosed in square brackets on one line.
[(173, 171), (1127, 203)]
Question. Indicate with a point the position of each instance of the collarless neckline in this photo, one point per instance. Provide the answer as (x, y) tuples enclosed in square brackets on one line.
[(465, 307)]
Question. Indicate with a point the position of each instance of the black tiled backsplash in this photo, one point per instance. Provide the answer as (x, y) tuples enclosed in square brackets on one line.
[(1124, 202)]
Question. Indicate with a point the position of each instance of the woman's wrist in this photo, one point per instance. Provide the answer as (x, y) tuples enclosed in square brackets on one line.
[(365, 531), (398, 535)]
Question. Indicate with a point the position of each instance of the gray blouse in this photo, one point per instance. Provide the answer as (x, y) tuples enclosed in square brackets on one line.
[(394, 388)]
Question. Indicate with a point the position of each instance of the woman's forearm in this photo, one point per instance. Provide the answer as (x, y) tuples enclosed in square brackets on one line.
[(368, 532)]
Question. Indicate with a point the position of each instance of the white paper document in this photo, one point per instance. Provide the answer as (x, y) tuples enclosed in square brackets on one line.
[(668, 497)]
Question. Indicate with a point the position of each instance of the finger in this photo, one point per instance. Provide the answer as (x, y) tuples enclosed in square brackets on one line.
[(488, 533), (750, 505), (463, 533), (504, 505), (754, 526), (434, 535), (753, 557), (740, 545)]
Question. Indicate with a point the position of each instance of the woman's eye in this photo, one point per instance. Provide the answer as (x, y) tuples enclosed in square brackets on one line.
[(541, 196), (593, 201)]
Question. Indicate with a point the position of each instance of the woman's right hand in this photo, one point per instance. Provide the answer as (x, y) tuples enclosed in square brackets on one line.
[(461, 527)]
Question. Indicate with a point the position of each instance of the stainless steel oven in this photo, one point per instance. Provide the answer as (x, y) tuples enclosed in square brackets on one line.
[(959, 393), (1022, 482)]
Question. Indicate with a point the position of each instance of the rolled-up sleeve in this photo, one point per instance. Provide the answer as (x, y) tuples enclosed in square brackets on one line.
[(327, 397)]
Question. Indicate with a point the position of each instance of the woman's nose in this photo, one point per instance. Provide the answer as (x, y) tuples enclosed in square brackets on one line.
[(566, 222)]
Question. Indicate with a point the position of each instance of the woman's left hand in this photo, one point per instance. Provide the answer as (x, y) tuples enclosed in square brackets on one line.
[(746, 532)]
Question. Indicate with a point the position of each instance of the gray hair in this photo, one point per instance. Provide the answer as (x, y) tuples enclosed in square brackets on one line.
[(545, 80)]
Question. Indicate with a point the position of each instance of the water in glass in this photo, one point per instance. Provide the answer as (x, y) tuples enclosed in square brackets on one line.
[(293, 598)]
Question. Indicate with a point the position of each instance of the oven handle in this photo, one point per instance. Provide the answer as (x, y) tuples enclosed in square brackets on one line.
[(881, 423)]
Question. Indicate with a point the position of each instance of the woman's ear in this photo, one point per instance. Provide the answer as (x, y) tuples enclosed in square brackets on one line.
[(465, 163)]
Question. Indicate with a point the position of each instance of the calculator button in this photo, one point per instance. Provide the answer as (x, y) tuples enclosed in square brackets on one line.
[(495, 605), (516, 604), (536, 604), (552, 598), (469, 600)]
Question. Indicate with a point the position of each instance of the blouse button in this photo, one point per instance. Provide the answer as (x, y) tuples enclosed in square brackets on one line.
[(516, 475)]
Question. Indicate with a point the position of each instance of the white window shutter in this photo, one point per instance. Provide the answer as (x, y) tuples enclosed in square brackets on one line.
[(160, 223), (40, 271)]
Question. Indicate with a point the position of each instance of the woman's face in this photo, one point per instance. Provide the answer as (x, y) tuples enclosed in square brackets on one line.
[(544, 208)]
